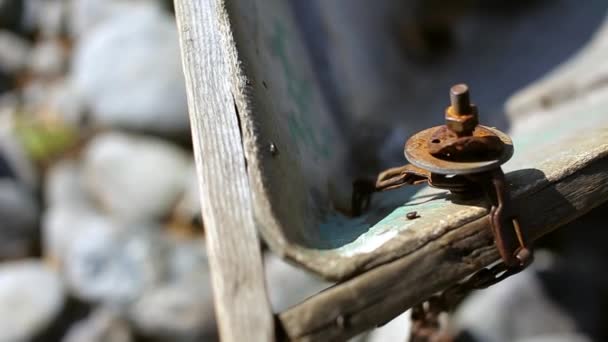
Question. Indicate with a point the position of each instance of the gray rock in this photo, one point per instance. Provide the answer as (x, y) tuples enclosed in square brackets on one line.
[(19, 217), (14, 52), (47, 17), (557, 338), (396, 330), (288, 285), (188, 260), (61, 223), (12, 149), (182, 311), (64, 185), (34, 95), (47, 59), (66, 103), (114, 265), (181, 308), (515, 309), (101, 326), (135, 178), (86, 15), (31, 298), (188, 207), (129, 72)]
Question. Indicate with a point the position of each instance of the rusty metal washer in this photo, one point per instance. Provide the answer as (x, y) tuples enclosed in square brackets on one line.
[(417, 152)]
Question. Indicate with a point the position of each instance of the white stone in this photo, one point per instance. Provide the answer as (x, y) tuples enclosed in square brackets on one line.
[(101, 326), (64, 185), (47, 58), (182, 306), (62, 223), (396, 330), (181, 311), (514, 309), (14, 52), (14, 152), (289, 285), (86, 15), (129, 72), (134, 178), (189, 205), (31, 298), (63, 102), (48, 17), (114, 265)]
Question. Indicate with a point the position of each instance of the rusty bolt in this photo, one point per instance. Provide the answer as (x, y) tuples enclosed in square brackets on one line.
[(461, 116), (460, 99)]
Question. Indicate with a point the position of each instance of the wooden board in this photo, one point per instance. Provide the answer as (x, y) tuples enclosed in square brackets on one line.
[(301, 191), (569, 179), (242, 307)]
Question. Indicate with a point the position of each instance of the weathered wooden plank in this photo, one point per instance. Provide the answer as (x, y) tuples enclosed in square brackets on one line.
[(299, 193), (568, 139), (296, 192), (212, 80), (381, 294)]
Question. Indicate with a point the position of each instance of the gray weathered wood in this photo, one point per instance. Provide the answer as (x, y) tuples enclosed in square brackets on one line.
[(298, 199), (209, 59), (381, 294)]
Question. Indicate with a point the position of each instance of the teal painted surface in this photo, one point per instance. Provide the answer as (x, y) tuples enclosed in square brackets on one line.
[(387, 216), (305, 127)]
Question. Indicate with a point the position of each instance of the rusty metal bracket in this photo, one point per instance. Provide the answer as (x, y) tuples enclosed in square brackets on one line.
[(464, 158)]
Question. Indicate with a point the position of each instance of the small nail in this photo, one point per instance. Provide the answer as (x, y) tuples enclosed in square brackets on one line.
[(273, 149)]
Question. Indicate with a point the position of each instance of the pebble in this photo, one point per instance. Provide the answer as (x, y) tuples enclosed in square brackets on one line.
[(135, 178), (14, 52), (19, 213), (397, 329), (519, 310), (188, 208), (114, 265), (47, 18), (31, 299), (102, 325), (64, 184), (89, 14), (63, 102), (180, 312), (61, 223), (11, 146), (129, 72), (289, 285), (47, 59), (182, 306)]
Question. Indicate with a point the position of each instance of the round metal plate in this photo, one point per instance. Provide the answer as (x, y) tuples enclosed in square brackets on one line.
[(416, 152)]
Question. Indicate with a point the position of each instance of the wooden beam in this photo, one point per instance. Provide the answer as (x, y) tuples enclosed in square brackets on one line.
[(382, 293), (242, 307)]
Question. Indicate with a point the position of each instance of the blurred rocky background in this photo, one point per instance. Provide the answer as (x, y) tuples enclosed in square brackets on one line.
[(101, 237)]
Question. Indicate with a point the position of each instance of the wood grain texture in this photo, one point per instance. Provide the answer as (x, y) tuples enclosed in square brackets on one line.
[(209, 59), (384, 292)]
